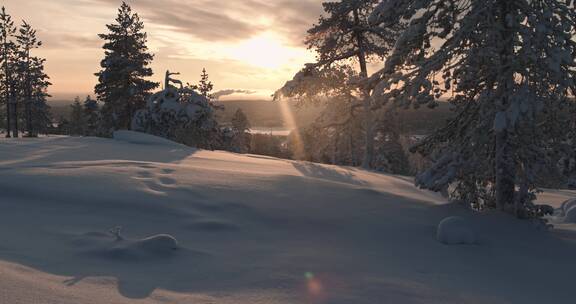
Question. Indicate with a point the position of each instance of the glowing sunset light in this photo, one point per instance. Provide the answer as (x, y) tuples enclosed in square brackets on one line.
[(267, 51)]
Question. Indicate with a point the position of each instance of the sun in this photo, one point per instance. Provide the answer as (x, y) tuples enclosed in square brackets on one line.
[(267, 51)]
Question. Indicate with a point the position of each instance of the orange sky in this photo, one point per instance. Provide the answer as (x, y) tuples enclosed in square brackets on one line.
[(252, 45)]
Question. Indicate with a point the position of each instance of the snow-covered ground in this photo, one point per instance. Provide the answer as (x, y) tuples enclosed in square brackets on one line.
[(249, 229)]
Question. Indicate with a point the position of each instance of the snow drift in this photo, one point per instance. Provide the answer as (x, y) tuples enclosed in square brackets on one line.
[(247, 229)]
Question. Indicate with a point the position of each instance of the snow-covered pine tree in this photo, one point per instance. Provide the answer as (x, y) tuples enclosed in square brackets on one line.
[(77, 124), (343, 35), (91, 116), (505, 65), (180, 114), (8, 50), (26, 40), (122, 86)]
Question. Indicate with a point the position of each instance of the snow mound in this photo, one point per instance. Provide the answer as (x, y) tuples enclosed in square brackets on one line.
[(570, 215), (455, 230), (158, 243), (143, 139), (567, 205)]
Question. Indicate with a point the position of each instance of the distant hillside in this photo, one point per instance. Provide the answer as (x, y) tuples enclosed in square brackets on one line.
[(262, 113), (268, 114)]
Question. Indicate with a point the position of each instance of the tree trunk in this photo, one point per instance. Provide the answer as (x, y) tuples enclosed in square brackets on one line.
[(14, 103), (7, 93), (31, 132), (368, 119), (505, 172), (505, 168)]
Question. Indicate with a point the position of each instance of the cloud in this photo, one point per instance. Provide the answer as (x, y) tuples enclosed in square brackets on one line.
[(65, 41), (212, 20), (227, 92)]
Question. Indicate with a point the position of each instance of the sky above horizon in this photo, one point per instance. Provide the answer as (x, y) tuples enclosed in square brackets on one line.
[(250, 46)]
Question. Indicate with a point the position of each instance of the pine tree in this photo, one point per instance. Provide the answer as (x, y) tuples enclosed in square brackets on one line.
[(27, 41), (91, 116), (205, 86), (344, 36), (77, 124), (7, 31), (240, 121), (122, 86), (505, 65), (241, 138), (41, 119), (63, 126)]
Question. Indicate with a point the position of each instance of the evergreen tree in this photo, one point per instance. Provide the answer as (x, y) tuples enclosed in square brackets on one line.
[(506, 65), (27, 41), (240, 121), (344, 36), (241, 137), (41, 119), (63, 126), (205, 86), (8, 50), (91, 117), (77, 124), (122, 87)]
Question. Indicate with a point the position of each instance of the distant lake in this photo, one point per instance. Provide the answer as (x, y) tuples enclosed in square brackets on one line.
[(274, 131)]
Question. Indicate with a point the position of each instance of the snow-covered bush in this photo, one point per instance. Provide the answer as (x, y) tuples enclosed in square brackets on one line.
[(455, 230), (181, 115)]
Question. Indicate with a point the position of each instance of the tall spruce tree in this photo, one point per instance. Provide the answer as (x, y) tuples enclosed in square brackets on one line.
[(506, 66), (91, 116), (77, 123), (41, 118), (7, 32), (343, 35), (27, 41), (122, 86)]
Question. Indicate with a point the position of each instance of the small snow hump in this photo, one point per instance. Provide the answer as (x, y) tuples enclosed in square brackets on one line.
[(570, 215), (567, 205), (455, 230), (158, 243)]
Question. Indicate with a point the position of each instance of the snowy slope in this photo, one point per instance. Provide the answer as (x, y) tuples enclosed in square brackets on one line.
[(250, 229)]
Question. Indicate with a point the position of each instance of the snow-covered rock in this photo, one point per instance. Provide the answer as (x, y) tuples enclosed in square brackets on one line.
[(455, 230)]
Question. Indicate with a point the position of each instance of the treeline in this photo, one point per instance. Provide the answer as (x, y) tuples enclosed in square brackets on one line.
[(23, 82)]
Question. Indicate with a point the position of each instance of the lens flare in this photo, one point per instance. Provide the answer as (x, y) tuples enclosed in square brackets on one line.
[(314, 288), (298, 146)]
